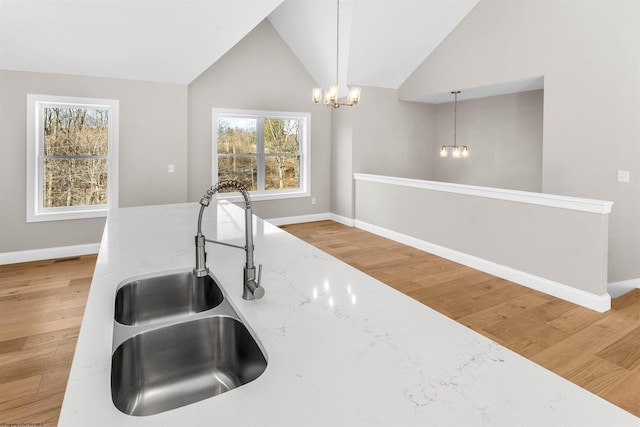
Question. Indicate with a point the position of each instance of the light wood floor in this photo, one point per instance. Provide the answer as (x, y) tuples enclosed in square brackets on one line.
[(41, 307), (599, 352)]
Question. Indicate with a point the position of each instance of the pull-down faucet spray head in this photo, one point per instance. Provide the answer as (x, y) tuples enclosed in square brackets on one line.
[(251, 288)]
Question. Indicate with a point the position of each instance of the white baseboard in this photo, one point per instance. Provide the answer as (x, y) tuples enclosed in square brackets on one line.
[(599, 303), (299, 219), (349, 222), (48, 253), (617, 289)]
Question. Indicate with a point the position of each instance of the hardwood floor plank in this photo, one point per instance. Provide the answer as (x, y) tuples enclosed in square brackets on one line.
[(517, 326), (53, 337), (21, 387), (577, 348), (20, 330), (625, 352), (42, 305), (12, 345), (535, 340), (505, 310), (39, 408), (575, 319), (598, 375), (626, 394)]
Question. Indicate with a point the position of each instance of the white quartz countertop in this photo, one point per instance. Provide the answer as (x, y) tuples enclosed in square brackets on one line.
[(343, 349)]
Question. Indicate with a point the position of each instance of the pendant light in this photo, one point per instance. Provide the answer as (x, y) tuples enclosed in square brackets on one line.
[(457, 151), (331, 95)]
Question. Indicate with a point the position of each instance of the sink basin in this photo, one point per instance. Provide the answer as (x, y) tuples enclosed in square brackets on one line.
[(159, 298), (170, 367)]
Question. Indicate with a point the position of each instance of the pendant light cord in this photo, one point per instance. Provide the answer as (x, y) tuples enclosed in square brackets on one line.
[(337, 39), (455, 116)]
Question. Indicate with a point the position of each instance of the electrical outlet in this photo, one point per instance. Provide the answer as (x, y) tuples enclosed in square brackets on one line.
[(313, 200), (170, 169), (623, 176)]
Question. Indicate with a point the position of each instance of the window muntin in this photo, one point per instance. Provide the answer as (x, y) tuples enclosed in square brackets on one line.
[(72, 157), (266, 151)]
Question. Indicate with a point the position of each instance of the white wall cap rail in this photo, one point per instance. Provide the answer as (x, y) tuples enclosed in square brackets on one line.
[(552, 200)]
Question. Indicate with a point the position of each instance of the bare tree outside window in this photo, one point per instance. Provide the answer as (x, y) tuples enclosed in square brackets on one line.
[(76, 144), (282, 154), (237, 151), (261, 153)]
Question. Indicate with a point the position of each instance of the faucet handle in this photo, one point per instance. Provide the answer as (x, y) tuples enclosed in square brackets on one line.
[(259, 275), (258, 292), (252, 289)]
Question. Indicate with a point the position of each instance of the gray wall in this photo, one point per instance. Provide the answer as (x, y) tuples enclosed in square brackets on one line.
[(504, 136), (153, 128), (391, 137), (342, 198), (381, 135), (563, 245), (589, 55), (259, 73)]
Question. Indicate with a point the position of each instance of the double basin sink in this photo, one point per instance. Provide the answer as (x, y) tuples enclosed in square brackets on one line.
[(177, 340)]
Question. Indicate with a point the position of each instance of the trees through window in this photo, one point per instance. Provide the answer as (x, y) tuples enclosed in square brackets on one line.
[(266, 151), (72, 143)]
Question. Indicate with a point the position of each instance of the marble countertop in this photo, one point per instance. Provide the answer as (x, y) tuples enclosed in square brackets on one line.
[(343, 349)]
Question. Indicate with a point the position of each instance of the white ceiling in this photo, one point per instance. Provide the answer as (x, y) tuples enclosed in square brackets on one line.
[(381, 41), (502, 88)]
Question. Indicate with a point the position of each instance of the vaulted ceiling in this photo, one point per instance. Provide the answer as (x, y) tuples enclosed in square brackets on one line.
[(174, 41)]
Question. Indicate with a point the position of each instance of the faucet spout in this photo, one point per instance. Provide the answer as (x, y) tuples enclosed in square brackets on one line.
[(251, 288)]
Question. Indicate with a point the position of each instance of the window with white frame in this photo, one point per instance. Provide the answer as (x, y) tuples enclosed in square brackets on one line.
[(267, 151), (72, 157)]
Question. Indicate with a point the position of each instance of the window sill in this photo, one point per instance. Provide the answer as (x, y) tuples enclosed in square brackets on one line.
[(256, 197), (66, 215)]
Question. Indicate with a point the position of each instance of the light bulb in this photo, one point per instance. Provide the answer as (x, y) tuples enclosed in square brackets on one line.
[(331, 97), (354, 96), (317, 94), (455, 153), (443, 151)]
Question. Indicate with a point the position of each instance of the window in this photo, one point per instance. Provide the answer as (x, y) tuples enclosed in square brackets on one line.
[(266, 151), (72, 152)]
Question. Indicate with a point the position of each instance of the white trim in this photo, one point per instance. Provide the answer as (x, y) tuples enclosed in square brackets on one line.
[(617, 289), (305, 153), (552, 200), (600, 303), (349, 222), (48, 253), (256, 197), (298, 219), (35, 210)]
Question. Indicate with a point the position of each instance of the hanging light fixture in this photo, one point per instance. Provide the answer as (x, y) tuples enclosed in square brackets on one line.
[(331, 94), (457, 151)]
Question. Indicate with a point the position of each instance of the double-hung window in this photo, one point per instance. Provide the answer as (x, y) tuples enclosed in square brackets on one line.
[(267, 151), (72, 153)]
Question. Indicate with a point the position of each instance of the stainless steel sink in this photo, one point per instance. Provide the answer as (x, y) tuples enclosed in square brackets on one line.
[(160, 298), (169, 367)]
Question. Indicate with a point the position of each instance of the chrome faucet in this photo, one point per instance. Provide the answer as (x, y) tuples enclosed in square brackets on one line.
[(251, 288)]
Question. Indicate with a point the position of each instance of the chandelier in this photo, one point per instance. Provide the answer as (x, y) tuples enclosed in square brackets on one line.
[(331, 94), (457, 151)]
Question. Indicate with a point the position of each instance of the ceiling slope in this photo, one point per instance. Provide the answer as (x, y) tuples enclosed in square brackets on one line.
[(381, 41), (171, 41)]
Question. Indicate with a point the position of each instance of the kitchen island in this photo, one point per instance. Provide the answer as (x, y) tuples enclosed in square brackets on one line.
[(343, 349)]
